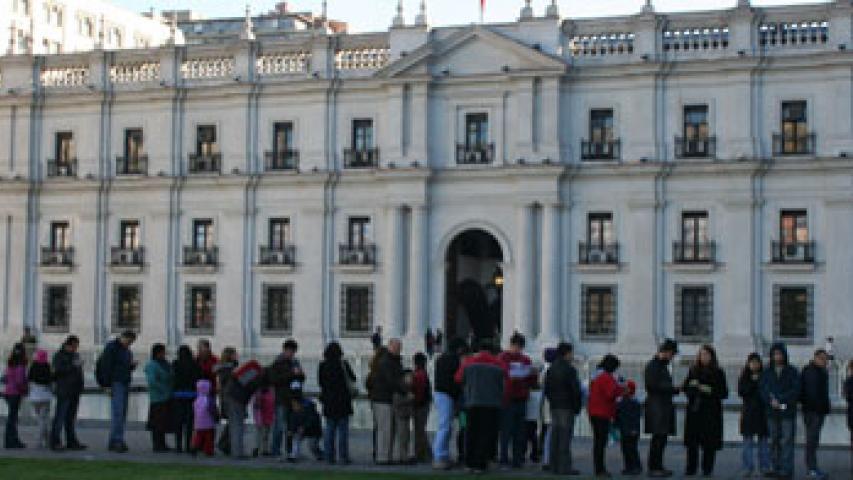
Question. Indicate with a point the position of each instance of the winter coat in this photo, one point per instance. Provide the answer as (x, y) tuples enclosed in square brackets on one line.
[(629, 415), (119, 361), (204, 407), (562, 387), (286, 381), (208, 369), (660, 410), (159, 377), (784, 386), (445, 367), (388, 378), (223, 371), (263, 407), (604, 391), (334, 378), (483, 377), (67, 374), (814, 390), (703, 420), (16, 381), (753, 416), (185, 376), (421, 389), (40, 378), (848, 395), (522, 377)]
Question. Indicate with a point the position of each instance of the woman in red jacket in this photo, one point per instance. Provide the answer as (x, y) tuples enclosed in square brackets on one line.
[(604, 391)]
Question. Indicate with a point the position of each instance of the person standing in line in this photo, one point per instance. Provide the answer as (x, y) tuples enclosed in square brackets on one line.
[(369, 385), (548, 357), (207, 361), (522, 376), (114, 370), (446, 397), (483, 377), (403, 416), (753, 418), (705, 388), (780, 390), (287, 377), (245, 380), (158, 375), (205, 418), (387, 381), (68, 386), (604, 392), (263, 413), (422, 391), (629, 415), (40, 397), (814, 397), (223, 370), (532, 417), (337, 389), (563, 392), (660, 409), (14, 391), (187, 373)]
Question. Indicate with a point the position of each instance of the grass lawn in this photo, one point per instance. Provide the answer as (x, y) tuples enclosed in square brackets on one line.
[(28, 469)]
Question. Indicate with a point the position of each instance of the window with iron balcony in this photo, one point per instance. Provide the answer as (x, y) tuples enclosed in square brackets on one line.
[(794, 245), (696, 140), (280, 249), (600, 247), (134, 161), (202, 252), (282, 156), (59, 251), (207, 158), (129, 252), (602, 144), (476, 150), (363, 153), (64, 163), (794, 137), (695, 245)]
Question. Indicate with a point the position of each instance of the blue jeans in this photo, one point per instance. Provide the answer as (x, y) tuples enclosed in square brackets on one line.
[(279, 427), (444, 408), (14, 403), (512, 432), (750, 444), (782, 431), (336, 428), (118, 413), (65, 417)]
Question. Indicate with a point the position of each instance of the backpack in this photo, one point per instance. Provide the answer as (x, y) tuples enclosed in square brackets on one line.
[(102, 369)]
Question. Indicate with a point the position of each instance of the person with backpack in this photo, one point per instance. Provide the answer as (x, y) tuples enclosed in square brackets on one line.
[(112, 372), (186, 374), (629, 415), (246, 379), (158, 375), (337, 390), (814, 397), (68, 386), (14, 391), (223, 370), (422, 390), (287, 377), (41, 396), (522, 377)]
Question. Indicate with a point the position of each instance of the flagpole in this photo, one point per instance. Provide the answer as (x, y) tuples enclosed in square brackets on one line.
[(482, 9)]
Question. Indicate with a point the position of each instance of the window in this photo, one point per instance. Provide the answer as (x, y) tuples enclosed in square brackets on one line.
[(87, 27), (695, 238), (696, 122), (279, 233), (600, 230), (793, 312), (277, 309), (203, 234), (359, 232), (200, 309), (282, 138), (794, 227), (127, 308), (60, 236), (598, 312), (129, 230), (357, 308), (476, 130), (56, 309), (64, 148), (795, 137), (694, 312), (601, 126), (133, 144), (362, 134), (206, 140)]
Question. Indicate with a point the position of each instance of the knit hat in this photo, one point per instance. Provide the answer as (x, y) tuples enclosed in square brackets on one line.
[(40, 356)]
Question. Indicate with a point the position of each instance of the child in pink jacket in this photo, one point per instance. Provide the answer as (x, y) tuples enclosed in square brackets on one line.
[(263, 408), (15, 390), (205, 417)]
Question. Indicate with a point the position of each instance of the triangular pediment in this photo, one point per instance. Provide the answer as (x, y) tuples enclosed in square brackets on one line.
[(473, 51)]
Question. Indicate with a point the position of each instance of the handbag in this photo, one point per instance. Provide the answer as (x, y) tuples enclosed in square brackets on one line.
[(352, 384)]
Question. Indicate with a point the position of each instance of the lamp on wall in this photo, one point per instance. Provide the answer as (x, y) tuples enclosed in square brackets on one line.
[(498, 277)]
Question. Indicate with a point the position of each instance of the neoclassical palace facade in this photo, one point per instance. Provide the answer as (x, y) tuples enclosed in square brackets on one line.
[(608, 181)]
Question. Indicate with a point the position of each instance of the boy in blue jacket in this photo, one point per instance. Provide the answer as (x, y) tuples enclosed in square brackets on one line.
[(780, 390), (628, 415)]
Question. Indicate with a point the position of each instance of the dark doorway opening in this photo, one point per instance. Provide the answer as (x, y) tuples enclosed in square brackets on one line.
[(474, 286)]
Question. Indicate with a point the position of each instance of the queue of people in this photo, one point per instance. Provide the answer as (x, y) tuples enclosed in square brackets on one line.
[(490, 397)]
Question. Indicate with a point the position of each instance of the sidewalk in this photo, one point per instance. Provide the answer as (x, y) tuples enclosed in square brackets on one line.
[(834, 461)]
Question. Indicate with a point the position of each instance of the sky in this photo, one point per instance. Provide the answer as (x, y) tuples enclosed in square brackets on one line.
[(376, 15)]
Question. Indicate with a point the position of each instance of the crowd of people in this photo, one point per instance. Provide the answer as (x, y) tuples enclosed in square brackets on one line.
[(504, 408)]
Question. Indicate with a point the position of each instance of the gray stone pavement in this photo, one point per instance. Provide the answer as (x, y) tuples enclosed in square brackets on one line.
[(835, 461)]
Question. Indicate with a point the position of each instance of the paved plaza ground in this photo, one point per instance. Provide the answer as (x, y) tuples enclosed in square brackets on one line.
[(141, 463)]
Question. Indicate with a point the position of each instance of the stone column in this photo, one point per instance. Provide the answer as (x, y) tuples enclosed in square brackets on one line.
[(551, 263), (393, 272), (524, 271), (418, 271)]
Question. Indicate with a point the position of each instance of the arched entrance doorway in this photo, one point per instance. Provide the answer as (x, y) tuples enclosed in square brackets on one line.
[(474, 286)]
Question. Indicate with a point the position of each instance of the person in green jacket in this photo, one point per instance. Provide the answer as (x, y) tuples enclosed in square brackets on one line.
[(158, 374)]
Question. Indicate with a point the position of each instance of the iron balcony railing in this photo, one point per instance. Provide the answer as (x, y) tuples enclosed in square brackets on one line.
[(57, 256), (201, 257), (362, 158), (281, 160), (133, 257), (793, 144), (694, 252), (478, 154), (136, 165), (601, 150), (277, 256), (598, 254), (62, 168), (209, 163), (792, 252), (357, 254), (695, 147)]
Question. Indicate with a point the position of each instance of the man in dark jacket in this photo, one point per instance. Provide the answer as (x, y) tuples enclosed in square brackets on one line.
[(387, 381), (68, 384), (446, 398), (660, 410), (286, 376), (563, 391), (120, 364), (780, 390), (814, 396)]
